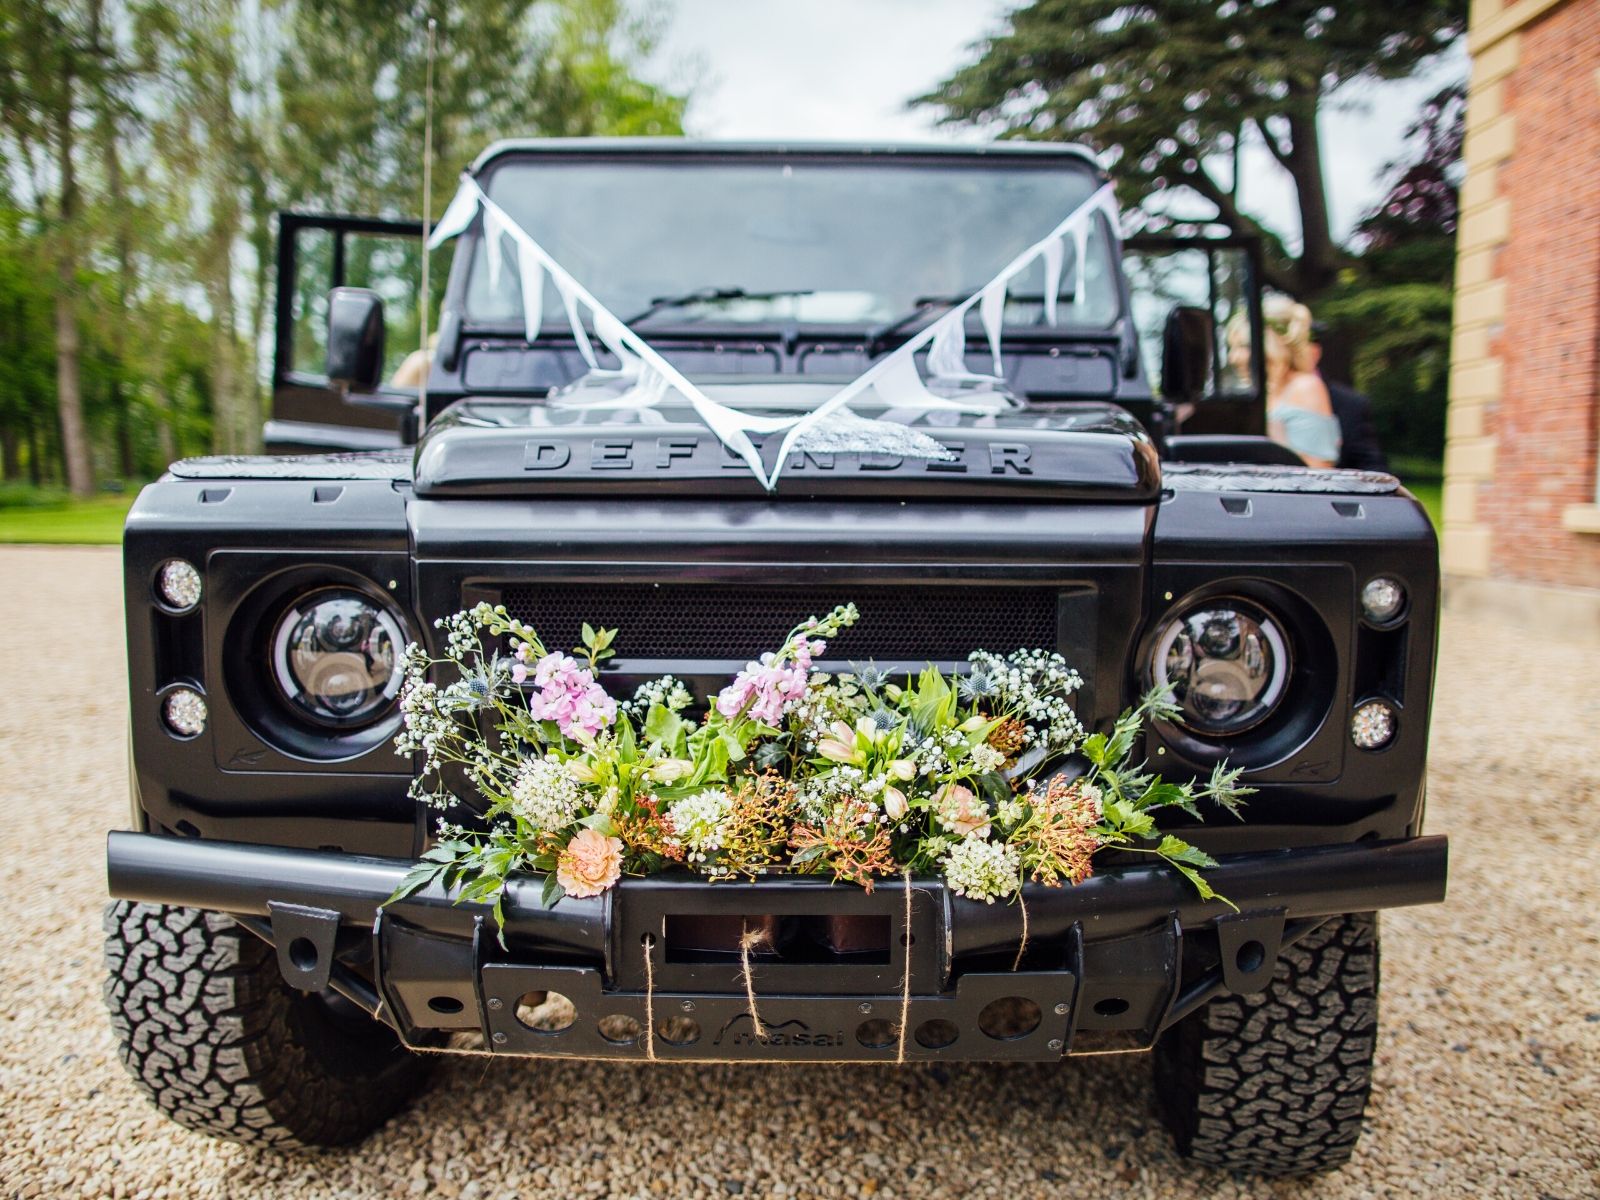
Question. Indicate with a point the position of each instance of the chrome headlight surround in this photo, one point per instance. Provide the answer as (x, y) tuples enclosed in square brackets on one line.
[(1243, 647), (335, 657)]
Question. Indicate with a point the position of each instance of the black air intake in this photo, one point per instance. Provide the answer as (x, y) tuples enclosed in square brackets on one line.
[(701, 621)]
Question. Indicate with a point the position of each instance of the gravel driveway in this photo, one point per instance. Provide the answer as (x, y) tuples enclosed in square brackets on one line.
[(1489, 1063)]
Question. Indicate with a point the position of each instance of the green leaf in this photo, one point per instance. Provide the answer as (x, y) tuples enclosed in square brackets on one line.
[(1201, 886), (1094, 749), (601, 822), (551, 892), (662, 725), (809, 854), (415, 880), (1176, 850)]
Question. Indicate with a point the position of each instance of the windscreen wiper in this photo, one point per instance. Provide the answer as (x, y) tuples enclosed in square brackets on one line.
[(925, 305), (710, 295)]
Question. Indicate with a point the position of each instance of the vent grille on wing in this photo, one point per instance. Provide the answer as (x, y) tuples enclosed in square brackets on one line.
[(736, 621)]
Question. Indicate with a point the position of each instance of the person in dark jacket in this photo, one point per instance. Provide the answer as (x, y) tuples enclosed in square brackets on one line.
[(1358, 447)]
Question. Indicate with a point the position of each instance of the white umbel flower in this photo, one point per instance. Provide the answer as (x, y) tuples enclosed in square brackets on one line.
[(546, 795), (982, 870), (698, 823)]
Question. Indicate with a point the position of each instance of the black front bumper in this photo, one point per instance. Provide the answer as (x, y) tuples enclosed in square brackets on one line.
[(1107, 964)]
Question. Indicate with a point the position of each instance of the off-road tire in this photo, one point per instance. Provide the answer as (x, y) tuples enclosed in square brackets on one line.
[(220, 1043), (1276, 1083)]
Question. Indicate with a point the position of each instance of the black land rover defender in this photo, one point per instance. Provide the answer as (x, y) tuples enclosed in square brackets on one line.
[(261, 989)]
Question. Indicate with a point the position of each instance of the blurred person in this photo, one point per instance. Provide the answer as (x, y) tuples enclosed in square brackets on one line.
[(1359, 448), (1299, 412), (414, 369)]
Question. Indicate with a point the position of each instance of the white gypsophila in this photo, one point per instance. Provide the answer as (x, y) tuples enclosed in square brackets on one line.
[(1037, 685), (817, 796), (546, 794), (986, 758), (982, 870), (668, 691), (1009, 811), (699, 823)]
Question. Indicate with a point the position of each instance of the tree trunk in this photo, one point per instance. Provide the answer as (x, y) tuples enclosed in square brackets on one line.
[(10, 452), (69, 395), (1319, 257)]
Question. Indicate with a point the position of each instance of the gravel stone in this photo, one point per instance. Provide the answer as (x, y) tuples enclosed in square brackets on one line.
[(1488, 1074)]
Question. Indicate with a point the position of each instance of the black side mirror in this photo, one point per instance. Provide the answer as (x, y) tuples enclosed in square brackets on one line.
[(355, 338), (1187, 343)]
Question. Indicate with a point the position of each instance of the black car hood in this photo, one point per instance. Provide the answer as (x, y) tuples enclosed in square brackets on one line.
[(587, 441)]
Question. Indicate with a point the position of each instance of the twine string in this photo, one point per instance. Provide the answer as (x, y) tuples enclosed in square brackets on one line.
[(1022, 946), (649, 999), (905, 975), (753, 939)]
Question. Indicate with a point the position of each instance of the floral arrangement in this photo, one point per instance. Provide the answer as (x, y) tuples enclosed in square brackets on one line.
[(984, 777)]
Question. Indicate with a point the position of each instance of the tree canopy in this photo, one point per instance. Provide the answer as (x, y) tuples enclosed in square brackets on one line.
[(1165, 90), (146, 144)]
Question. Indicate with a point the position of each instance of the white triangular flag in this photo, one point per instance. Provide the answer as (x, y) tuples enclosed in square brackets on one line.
[(1054, 251), (532, 272)]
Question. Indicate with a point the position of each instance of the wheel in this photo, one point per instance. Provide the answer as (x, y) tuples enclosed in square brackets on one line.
[(1276, 1083), (221, 1044)]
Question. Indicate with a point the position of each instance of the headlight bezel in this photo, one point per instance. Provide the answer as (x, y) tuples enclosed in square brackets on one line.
[(1301, 602), (260, 588)]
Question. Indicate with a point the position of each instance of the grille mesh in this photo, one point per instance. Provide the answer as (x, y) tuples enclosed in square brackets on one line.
[(735, 621)]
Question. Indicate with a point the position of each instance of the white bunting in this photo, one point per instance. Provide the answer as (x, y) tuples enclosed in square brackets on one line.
[(894, 376)]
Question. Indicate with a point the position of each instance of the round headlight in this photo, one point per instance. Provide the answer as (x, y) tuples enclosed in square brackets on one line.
[(336, 657), (1227, 663)]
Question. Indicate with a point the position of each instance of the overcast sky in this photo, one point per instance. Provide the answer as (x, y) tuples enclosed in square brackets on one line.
[(844, 69)]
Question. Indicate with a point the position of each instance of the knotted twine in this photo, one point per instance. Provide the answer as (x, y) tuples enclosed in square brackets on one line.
[(751, 940), (905, 976), (1022, 946), (649, 999)]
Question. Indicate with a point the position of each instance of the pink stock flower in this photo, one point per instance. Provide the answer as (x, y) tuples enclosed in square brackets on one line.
[(762, 689), (590, 864), (569, 696)]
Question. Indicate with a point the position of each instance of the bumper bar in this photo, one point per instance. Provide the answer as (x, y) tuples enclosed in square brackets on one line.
[(1126, 952)]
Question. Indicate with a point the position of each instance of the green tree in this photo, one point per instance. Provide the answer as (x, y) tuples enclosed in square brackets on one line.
[(1392, 304), (1166, 89)]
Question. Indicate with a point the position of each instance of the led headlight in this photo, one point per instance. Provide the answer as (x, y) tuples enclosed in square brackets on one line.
[(178, 584), (1373, 725), (184, 711), (1382, 599), (336, 657), (1227, 663)]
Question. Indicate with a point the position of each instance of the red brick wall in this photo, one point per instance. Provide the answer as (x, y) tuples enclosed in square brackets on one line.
[(1548, 417)]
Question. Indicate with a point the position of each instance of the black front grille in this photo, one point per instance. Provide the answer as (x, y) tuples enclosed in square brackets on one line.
[(686, 621)]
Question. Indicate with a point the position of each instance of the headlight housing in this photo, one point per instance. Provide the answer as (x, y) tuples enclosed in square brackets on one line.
[(1227, 661), (336, 657)]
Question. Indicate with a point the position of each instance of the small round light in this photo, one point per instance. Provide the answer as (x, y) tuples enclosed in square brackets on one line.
[(1227, 663), (1374, 724), (179, 584), (1382, 599), (336, 657), (184, 711)]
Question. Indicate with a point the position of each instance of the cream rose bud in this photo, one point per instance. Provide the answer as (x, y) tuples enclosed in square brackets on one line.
[(894, 803), (669, 769), (973, 723), (581, 771), (903, 769), (834, 750)]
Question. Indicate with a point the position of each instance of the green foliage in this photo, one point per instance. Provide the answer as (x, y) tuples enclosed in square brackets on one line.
[(145, 146), (1165, 87)]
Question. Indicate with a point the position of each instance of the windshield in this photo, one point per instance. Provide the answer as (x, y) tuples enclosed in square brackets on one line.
[(863, 243)]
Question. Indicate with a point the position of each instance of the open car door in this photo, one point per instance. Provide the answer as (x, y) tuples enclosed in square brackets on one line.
[(1221, 276), (316, 254)]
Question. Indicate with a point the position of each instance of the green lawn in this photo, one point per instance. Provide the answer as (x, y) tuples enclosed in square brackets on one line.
[(1424, 479), (43, 517)]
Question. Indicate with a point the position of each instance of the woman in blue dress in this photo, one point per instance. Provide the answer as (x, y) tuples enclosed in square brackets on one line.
[(1299, 413)]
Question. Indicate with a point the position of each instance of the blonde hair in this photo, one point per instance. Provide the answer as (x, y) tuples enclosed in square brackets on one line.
[(1287, 328)]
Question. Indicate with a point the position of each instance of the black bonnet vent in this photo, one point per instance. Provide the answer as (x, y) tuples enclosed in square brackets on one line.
[(734, 621)]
